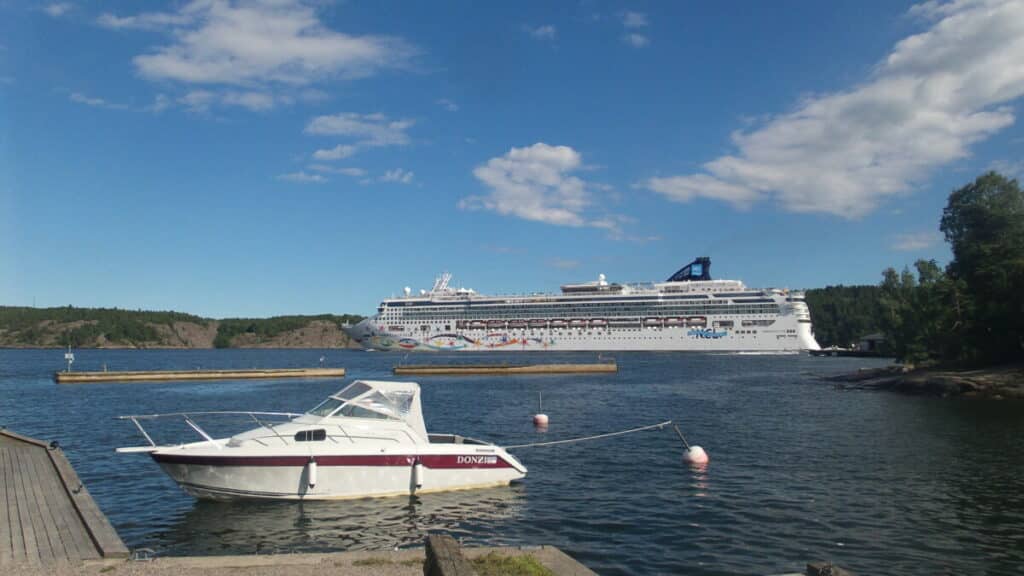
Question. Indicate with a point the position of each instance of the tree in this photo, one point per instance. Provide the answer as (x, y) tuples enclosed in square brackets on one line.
[(984, 225)]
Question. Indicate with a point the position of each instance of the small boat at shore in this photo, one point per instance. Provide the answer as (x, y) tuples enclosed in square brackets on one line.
[(367, 440)]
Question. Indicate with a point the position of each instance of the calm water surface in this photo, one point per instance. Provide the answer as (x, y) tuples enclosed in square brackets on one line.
[(879, 483)]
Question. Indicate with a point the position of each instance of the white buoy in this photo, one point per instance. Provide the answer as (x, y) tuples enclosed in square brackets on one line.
[(695, 455), (311, 472), (540, 419)]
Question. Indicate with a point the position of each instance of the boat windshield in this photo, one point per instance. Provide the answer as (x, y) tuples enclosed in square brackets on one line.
[(362, 401), (326, 407), (353, 390)]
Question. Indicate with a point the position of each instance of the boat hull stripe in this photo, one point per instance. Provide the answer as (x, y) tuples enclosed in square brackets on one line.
[(438, 461)]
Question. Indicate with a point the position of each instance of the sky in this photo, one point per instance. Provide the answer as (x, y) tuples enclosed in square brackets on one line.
[(231, 158)]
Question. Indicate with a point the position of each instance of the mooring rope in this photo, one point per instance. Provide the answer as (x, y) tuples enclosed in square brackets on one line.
[(608, 435)]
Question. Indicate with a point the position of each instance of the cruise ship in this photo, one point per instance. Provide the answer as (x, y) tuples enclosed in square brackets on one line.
[(688, 312)]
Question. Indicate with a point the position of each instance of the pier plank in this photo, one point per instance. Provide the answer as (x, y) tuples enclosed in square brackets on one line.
[(5, 525), (28, 533), (102, 534), (47, 539), (76, 540), (186, 375), (13, 517), (47, 517), (64, 548)]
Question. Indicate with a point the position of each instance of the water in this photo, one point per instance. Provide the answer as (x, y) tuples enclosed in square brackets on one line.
[(876, 482)]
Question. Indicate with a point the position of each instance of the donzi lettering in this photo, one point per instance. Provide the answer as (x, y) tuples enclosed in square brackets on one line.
[(706, 333), (476, 460)]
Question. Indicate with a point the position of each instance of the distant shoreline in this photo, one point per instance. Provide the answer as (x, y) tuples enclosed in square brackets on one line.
[(355, 347), (996, 382)]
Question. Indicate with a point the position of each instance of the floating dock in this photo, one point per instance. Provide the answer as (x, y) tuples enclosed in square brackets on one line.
[(498, 369), (172, 375), (47, 517)]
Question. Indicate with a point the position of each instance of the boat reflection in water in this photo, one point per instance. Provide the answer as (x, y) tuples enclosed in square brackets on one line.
[(266, 527)]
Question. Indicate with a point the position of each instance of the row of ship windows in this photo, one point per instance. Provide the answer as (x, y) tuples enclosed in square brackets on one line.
[(608, 329), (576, 307), (680, 311), (645, 301)]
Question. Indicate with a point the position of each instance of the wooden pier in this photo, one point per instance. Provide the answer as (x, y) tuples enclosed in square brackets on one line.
[(499, 369), (174, 375), (47, 517)]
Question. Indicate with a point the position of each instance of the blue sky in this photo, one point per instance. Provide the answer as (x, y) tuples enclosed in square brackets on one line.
[(280, 156)]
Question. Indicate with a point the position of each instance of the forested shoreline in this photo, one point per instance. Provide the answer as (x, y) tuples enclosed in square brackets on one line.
[(26, 327)]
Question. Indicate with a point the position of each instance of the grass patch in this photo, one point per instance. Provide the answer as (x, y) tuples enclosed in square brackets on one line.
[(372, 561), (413, 562), (108, 568), (494, 564)]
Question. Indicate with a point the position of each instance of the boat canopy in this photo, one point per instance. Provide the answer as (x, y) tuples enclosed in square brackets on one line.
[(376, 399)]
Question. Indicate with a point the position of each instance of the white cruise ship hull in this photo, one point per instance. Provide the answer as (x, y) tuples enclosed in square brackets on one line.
[(681, 339), (689, 312)]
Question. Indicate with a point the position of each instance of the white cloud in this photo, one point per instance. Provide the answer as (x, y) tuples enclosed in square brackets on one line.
[(203, 100), (337, 153), (535, 183), (160, 103), (265, 41), (146, 20), (255, 101), (58, 9), (397, 175), (347, 171), (933, 96), (81, 98), (1008, 168), (303, 177), (367, 130), (634, 20), (448, 105), (686, 188), (635, 40), (198, 100), (915, 241), (544, 32)]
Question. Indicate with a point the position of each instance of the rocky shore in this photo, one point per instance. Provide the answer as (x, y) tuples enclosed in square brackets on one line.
[(993, 382)]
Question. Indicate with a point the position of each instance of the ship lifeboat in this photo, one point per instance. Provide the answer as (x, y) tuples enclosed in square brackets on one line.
[(477, 324), (697, 321), (578, 323), (517, 324), (598, 323), (674, 322), (559, 323), (538, 323), (496, 324), (652, 322)]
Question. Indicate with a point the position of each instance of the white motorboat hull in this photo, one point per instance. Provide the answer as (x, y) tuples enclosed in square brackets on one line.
[(225, 477)]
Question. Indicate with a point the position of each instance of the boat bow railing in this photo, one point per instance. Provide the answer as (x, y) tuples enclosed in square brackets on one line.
[(187, 417)]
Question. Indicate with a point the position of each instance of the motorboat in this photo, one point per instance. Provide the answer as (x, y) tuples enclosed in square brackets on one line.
[(366, 440)]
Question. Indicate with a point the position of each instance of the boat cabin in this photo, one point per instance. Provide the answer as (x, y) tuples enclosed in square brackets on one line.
[(364, 412), (375, 400)]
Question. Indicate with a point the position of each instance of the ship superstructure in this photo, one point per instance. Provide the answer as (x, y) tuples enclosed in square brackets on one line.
[(688, 312)]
